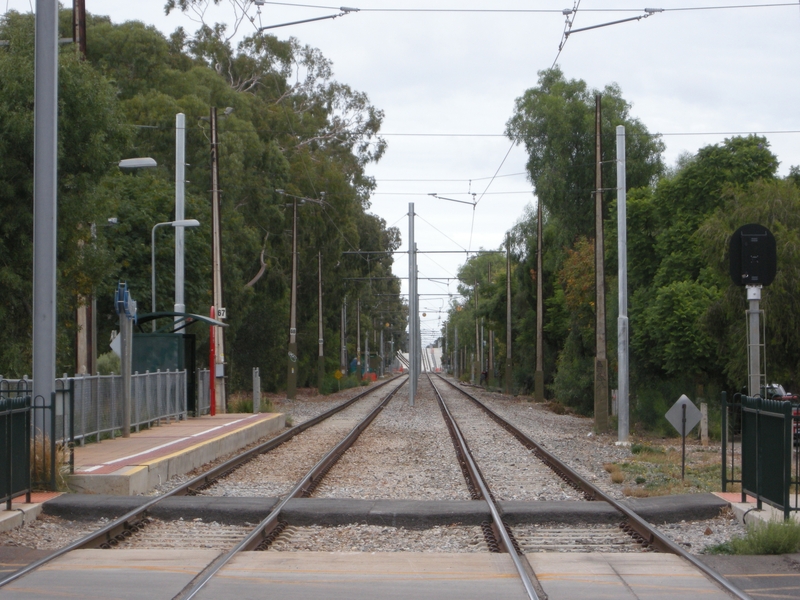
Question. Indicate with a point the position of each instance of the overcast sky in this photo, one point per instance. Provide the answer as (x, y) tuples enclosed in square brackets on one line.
[(447, 81)]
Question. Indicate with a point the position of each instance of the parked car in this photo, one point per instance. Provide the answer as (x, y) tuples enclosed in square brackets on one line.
[(775, 391)]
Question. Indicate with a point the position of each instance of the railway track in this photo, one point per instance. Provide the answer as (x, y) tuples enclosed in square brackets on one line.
[(463, 420), (131, 523), (638, 528)]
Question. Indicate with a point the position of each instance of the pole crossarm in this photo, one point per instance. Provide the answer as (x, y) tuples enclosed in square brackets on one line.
[(344, 11), (648, 12)]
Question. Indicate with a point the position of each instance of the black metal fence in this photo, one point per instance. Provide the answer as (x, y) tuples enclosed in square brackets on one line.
[(37, 438), (15, 426), (766, 431)]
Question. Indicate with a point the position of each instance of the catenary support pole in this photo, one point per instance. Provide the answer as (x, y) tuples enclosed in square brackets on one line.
[(623, 410), (291, 376), (180, 210), (358, 340), (218, 375), (508, 314), (412, 308), (45, 162), (601, 357), (538, 377), (477, 355), (321, 356)]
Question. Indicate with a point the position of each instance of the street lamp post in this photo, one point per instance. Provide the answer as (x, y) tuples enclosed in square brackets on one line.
[(179, 223)]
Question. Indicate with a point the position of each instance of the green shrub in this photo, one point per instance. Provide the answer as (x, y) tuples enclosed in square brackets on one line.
[(331, 385), (242, 402), (775, 537), (108, 363)]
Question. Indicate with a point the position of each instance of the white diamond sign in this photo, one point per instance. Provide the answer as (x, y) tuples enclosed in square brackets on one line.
[(675, 415)]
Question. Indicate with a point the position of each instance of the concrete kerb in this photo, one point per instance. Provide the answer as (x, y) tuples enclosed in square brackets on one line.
[(139, 479), (411, 514), (19, 515)]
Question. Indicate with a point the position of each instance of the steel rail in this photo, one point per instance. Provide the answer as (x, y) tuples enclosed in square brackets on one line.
[(650, 534), (303, 487), (128, 523), (497, 522)]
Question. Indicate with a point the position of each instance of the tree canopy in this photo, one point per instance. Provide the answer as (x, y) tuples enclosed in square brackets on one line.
[(292, 130)]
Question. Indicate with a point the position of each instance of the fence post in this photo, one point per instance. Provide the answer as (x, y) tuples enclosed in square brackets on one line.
[(724, 417), (704, 424)]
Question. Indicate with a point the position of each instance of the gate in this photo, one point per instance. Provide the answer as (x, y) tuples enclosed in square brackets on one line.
[(766, 450)]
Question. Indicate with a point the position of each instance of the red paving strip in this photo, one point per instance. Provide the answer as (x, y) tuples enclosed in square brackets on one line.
[(734, 497), (37, 497), (169, 447)]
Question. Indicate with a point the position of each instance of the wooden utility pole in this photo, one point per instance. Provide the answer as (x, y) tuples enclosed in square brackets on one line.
[(538, 377), (79, 26), (601, 358), (216, 265)]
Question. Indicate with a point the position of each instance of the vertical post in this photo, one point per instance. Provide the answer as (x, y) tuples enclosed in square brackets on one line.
[(724, 444), (125, 331), (601, 358), (490, 365), (366, 352), (754, 341), (383, 355), (538, 378), (413, 312), (291, 378), (321, 356), (358, 339), (256, 391), (456, 370), (483, 345), (704, 424), (45, 181), (623, 406), (212, 366), (683, 439), (343, 351), (216, 247), (79, 26), (180, 211), (508, 313), (476, 355)]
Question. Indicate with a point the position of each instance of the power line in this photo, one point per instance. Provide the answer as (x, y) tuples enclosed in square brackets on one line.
[(451, 193), (449, 180), (533, 10)]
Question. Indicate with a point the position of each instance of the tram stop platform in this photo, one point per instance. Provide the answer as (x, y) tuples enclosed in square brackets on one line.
[(137, 464)]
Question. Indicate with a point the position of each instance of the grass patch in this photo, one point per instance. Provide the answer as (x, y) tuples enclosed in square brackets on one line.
[(775, 537), (613, 469), (654, 470), (645, 449), (242, 402)]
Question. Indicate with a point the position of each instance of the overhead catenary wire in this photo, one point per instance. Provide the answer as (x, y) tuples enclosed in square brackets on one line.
[(530, 10)]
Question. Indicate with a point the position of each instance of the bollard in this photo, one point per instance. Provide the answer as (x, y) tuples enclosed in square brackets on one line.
[(256, 391)]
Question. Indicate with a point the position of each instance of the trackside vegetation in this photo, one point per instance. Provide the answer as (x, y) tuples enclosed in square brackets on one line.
[(687, 325)]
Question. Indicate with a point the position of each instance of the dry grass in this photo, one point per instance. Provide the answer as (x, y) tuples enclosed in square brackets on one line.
[(41, 462), (617, 476)]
